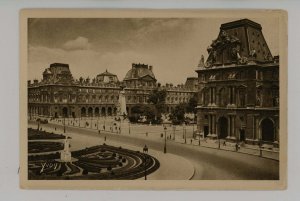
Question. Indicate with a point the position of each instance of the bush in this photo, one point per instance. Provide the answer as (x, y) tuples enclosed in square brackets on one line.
[(109, 168), (112, 173), (85, 172), (124, 160), (120, 164), (114, 154)]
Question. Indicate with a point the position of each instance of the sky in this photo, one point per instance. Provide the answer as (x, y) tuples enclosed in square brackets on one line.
[(173, 46)]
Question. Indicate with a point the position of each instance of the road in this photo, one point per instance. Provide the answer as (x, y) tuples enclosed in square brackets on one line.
[(209, 163)]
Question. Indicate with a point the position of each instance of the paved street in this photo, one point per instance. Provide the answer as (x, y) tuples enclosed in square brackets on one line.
[(209, 163)]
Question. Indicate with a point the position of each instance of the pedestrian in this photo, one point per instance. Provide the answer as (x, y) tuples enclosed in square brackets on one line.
[(99, 131), (191, 141), (224, 143), (236, 147), (54, 128), (104, 138)]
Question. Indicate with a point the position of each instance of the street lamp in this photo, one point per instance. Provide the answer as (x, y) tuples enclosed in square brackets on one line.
[(165, 147), (260, 147), (145, 149), (174, 128), (64, 124), (184, 131), (129, 127)]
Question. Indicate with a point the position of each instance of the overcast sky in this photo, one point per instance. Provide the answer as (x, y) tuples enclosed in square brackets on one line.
[(90, 46)]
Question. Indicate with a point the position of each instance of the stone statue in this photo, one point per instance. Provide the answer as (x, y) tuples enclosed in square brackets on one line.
[(65, 155), (201, 62), (122, 103)]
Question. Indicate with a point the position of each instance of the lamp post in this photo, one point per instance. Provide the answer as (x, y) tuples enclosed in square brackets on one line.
[(165, 146), (219, 146), (64, 124), (174, 128), (129, 127), (92, 121), (145, 160), (38, 124), (98, 123), (260, 147), (184, 131)]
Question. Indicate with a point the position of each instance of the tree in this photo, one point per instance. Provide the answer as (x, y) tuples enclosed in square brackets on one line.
[(143, 110), (158, 99), (177, 115), (192, 104)]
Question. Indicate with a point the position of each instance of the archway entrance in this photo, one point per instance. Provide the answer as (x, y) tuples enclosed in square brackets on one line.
[(90, 112), (103, 112), (242, 135), (223, 127), (267, 130), (109, 111), (65, 112), (83, 112), (205, 130), (97, 112)]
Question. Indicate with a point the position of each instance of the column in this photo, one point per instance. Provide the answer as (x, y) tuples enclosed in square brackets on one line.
[(214, 95), (209, 124), (217, 125), (210, 96), (217, 98), (257, 133), (233, 134), (233, 96), (253, 128)]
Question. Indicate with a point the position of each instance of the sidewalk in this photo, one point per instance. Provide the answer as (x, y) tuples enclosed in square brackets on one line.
[(245, 149)]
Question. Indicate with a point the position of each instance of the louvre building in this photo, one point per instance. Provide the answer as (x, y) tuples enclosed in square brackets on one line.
[(239, 87), (58, 94)]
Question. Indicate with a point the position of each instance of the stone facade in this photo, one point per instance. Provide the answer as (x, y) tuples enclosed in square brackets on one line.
[(58, 94), (239, 87)]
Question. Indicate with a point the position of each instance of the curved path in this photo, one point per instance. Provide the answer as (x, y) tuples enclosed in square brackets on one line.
[(209, 163)]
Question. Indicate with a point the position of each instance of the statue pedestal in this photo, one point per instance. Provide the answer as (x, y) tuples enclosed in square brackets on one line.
[(65, 156)]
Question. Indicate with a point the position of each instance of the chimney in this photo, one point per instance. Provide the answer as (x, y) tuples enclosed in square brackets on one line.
[(35, 81), (133, 65), (29, 82), (150, 68)]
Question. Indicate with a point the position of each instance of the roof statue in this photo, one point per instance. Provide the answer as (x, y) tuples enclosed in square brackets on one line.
[(238, 42)]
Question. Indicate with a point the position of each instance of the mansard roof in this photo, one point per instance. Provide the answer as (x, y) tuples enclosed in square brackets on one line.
[(139, 71), (238, 42)]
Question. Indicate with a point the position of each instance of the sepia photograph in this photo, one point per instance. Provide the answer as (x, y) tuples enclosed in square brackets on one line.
[(153, 99)]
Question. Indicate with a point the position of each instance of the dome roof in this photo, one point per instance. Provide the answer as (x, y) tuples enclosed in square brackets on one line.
[(138, 71), (107, 77)]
